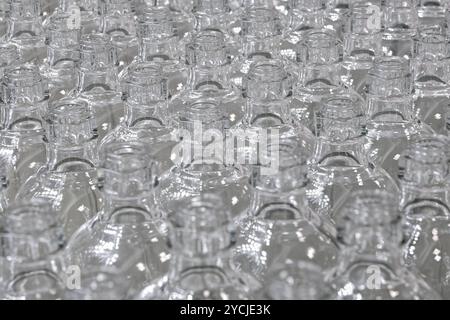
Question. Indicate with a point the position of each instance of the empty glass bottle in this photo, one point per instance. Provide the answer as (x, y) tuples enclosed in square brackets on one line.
[(425, 204), (98, 81), (370, 266), (25, 29), (279, 220), (201, 267), (128, 234), (391, 122), (31, 254), (68, 180), (24, 101), (431, 81), (340, 165)]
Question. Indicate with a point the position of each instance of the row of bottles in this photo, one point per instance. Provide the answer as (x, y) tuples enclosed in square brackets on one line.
[(224, 149)]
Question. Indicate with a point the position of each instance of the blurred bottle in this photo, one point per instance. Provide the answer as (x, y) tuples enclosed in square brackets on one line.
[(25, 29), (279, 208), (425, 204), (98, 81), (24, 101), (370, 265), (68, 180), (340, 165), (391, 122), (128, 234), (431, 81), (201, 267), (32, 254)]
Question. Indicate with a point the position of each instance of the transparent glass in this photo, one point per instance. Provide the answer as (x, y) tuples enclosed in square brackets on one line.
[(129, 233), (370, 266), (31, 254), (431, 81), (25, 99), (201, 268), (67, 182), (279, 222), (98, 81), (391, 122), (340, 165), (425, 205)]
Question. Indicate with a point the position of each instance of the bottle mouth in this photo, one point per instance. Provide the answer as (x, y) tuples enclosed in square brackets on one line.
[(126, 157)]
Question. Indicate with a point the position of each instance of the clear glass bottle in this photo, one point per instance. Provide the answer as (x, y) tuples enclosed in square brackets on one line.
[(31, 254), (362, 44), (431, 81), (209, 64), (319, 63), (204, 158), (370, 266), (98, 81), (201, 267), (340, 165), (129, 233), (400, 23), (68, 180), (25, 29), (425, 205), (63, 55), (146, 112), (279, 208), (391, 122), (24, 101), (260, 34), (118, 21)]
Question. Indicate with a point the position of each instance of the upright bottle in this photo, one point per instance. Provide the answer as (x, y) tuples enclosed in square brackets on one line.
[(370, 266), (63, 55), (98, 81), (32, 254), (146, 112), (201, 267), (129, 233), (118, 21), (67, 182), (279, 208), (431, 81), (340, 165), (391, 121), (24, 101), (425, 205), (362, 44), (25, 29)]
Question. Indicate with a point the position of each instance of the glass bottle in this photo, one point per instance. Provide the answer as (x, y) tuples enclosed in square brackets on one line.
[(25, 29), (129, 233), (370, 266), (24, 101), (260, 34), (146, 112), (425, 205), (31, 254), (98, 81), (319, 63), (67, 182), (201, 267), (340, 164), (362, 44), (391, 122), (118, 21), (400, 22), (279, 222), (63, 55), (204, 158), (431, 81)]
